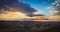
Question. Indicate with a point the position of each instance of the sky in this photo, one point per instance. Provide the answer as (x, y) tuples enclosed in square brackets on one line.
[(16, 10), (28, 6), (43, 6)]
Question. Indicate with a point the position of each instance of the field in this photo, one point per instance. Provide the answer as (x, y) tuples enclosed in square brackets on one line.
[(29, 26)]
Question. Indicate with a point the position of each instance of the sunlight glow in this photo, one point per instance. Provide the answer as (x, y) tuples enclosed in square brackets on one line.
[(13, 16)]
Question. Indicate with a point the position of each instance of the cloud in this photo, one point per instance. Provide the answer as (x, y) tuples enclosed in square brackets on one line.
[(49, 7), (38, 11), (15, 4), (55, 11)]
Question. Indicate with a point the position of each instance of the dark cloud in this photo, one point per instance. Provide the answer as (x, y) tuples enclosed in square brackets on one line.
[(7, 4), (58, 9)]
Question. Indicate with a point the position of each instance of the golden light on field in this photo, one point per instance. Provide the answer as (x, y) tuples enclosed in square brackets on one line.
[(13, 16)]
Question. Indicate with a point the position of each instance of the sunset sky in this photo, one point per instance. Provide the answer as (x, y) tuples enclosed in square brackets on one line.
[(16, 10)]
